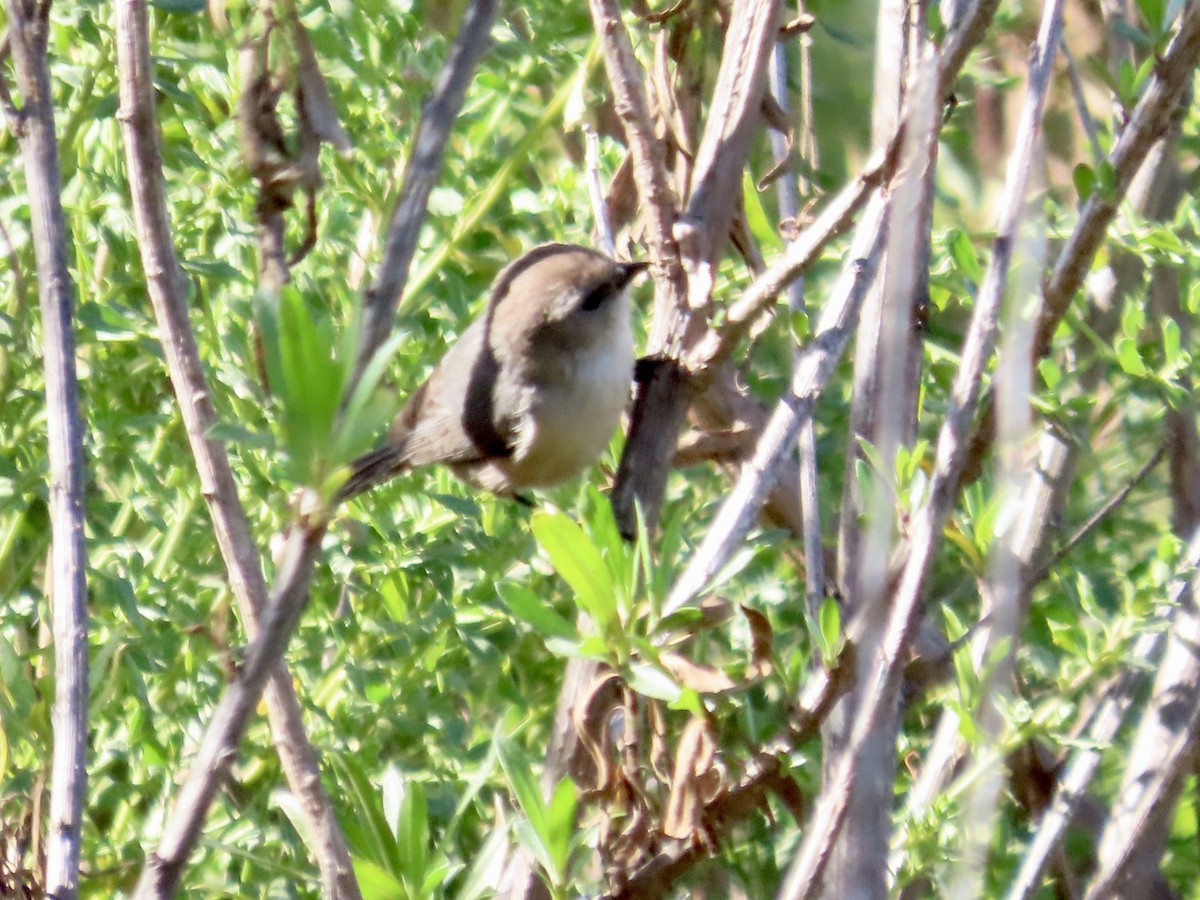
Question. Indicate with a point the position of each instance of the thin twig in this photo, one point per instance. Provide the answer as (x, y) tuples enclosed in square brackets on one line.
[(67, 578), (167, 290), (1110, 505), (792, 263), (603, 228), (774, 280), (1085, 116), (1150, 119), (787, 190)]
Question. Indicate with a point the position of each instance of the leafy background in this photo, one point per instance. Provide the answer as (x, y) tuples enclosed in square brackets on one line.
[(429, 698)]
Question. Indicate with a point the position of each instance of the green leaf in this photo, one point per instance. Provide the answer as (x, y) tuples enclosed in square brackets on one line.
[(1050, 372), (1085, 181), (376, 882), (560, 820), (799, 325), (536, 612), (756, 217), (534, 830), (651, 681), (524, 785), (1171, 341), (1129, 357), (1153, 12), (962, 251), (367, 831), (578, 561), (829, 620), (412, 836)]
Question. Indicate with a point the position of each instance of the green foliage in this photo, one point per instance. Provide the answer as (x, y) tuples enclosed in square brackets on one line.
[(430, 657)]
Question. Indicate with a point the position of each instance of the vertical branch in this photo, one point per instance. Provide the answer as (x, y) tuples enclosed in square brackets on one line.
[(884, 417), (788, 194), (28, 32), (658, 408), (805, 873), (812, 371), (1018, 525), (166, 287), (695, 240)]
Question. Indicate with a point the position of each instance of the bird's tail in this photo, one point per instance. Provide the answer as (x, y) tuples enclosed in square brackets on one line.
[(372, 469)]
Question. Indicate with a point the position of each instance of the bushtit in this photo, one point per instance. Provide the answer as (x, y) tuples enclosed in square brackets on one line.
[(532, 391)]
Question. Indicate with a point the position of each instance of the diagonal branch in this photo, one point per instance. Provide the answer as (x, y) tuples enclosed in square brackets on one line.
[(165, 284), (420, 176), (302, 541)]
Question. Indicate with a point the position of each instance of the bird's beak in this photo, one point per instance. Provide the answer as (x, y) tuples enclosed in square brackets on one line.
[(630, 270)]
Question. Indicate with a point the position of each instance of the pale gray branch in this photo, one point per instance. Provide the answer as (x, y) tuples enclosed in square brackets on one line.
[(218, 748), (168, 295), (879, 689), (421, 174), (28, 27)]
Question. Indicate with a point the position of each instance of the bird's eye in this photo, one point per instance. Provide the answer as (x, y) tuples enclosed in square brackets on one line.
[(594, 298)]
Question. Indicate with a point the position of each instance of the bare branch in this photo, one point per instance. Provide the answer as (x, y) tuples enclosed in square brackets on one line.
[(420, 176), (68, 594), (805, 872), (792, 263), (658, 408), (788, 192), (1094, 520), (165, 284), (161, 875), (816, 364), (1149, 122)]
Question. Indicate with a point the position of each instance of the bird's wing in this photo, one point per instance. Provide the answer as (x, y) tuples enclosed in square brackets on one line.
[(452, 417)]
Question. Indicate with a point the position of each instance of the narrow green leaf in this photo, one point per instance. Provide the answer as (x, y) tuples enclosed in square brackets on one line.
[(578, 561), (536, 612), (524, 785), (1050, 372), (412, 836), (962, 251), (366, 826), (1171, 341), (560, 817), (829, 620)]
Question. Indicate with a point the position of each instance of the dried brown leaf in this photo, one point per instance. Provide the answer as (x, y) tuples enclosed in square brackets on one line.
[(692, 780), (590, 715), (313, 92), (700, 678), (762, 641)]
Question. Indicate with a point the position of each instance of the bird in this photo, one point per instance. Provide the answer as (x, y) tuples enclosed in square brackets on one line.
[(532, 391)]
